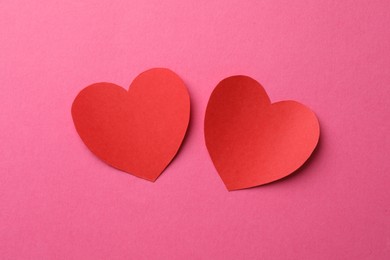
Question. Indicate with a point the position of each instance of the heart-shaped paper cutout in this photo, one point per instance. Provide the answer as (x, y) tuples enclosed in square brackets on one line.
[(253, 142), (137, 131)]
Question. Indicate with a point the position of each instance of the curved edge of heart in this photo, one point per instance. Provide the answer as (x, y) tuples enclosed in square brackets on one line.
[(250, 140), (138, 131)]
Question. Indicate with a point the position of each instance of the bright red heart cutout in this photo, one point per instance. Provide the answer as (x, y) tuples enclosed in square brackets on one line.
[(251, 141), (137, 131)]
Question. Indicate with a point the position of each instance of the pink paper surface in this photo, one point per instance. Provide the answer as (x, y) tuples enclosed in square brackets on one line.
[(58, 201)]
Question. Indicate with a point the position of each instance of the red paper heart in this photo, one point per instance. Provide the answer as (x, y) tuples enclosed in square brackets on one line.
[(137, 131), (251, 141)]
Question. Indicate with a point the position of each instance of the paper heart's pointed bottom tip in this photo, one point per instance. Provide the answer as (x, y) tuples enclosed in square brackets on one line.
[(139, 177), (152, 178), (246, 187), (235, 188)]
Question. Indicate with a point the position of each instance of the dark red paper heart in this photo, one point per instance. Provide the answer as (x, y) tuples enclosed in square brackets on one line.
[(137, 131), (251, 141)]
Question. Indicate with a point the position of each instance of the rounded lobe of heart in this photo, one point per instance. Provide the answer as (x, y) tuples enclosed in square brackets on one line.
[(253, 142), (137, 131)]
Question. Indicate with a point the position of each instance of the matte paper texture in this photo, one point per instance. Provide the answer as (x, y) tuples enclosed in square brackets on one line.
[(253, 142), (137, 131), (59, 201)]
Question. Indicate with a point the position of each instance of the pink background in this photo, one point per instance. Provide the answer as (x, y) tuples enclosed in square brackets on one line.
[(57, 201)]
